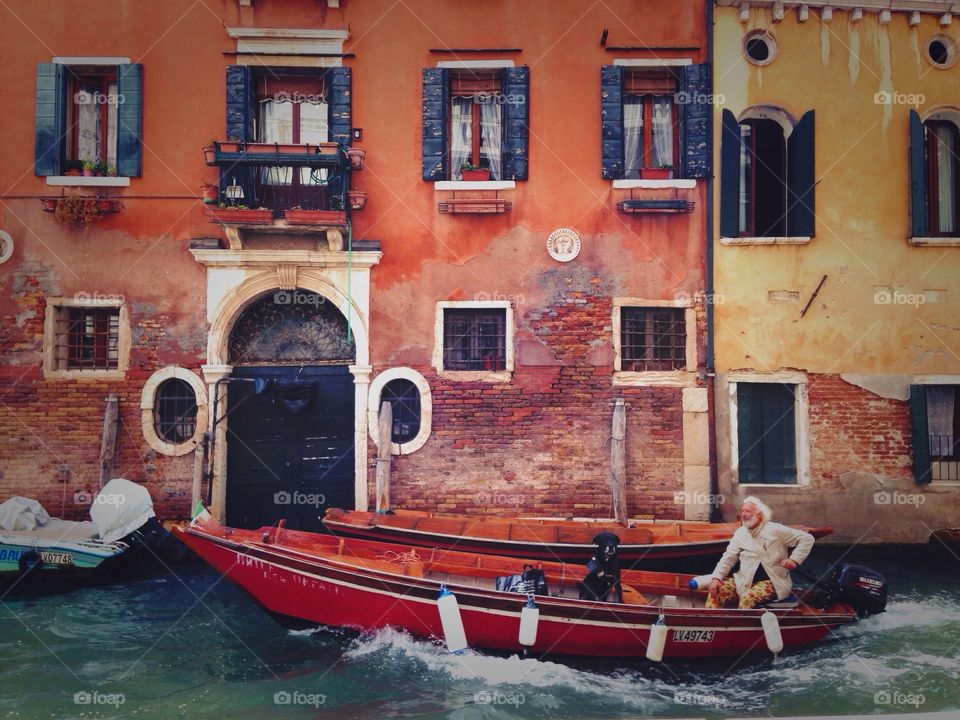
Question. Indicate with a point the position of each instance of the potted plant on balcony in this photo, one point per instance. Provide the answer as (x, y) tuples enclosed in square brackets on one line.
[(357, 199), (299, 216), (210, 153), (469, 171), (275, 148), (664, 171), (239, 215), (88, 168), (210, 193), (356, 156)]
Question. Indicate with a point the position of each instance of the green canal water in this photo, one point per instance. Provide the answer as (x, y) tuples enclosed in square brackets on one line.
[(192, 645)]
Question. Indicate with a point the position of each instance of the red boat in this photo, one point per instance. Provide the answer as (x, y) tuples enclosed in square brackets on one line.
[(309, 579), (642, 541)]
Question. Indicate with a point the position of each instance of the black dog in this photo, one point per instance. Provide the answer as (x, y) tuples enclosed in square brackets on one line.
[(602, 582)]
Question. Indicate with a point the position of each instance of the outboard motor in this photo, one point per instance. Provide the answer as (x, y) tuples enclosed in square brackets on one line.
[(860, 587)]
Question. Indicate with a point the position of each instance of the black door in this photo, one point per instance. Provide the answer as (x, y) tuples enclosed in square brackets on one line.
[(285, 461)]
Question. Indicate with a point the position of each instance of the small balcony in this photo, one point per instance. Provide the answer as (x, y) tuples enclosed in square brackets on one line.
[(282, 188)]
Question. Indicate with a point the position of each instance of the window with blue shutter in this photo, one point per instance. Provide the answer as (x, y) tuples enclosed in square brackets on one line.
[(476, 121), (935, 430), (766, 433), (89, 116), (934, 176)]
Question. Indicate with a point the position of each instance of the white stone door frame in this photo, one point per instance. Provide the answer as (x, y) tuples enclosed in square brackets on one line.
[(235, 278)]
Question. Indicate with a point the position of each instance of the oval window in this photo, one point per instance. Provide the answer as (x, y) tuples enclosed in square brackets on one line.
[(404, 397), (941, 51), (760, 47), (175, 411)]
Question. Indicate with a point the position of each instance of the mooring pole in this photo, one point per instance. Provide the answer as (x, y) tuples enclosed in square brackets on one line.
[(385, 434), (618, 462)]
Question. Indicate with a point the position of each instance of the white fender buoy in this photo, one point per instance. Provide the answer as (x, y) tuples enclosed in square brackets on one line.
[(771, 631), (529, 620), (658, 640), (451, 621), (699, 582)]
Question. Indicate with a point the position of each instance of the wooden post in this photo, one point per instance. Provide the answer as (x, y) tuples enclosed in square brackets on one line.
[(618, 462), (199, 470), (108, 441), (385, 431)]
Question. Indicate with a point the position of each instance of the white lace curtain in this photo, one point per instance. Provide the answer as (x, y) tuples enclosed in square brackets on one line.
[(490, 135), (90, 135), (461, 133), (940, 415), (633, 135), (662, 126), (946, 179), (276, 126)]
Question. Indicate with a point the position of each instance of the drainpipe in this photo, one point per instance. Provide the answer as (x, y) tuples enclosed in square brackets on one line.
[(711, 375)]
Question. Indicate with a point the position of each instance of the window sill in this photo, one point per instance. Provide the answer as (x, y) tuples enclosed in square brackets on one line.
[(490, 376), (774, 486), (655, 378), (475, 185), (935, 241), (85, 374), (82, 181), (790, 240), (654, 184)]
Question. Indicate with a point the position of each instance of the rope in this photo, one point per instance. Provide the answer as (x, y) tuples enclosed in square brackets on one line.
[(404, 558)]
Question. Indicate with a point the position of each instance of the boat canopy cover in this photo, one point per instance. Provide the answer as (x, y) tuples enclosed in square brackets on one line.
[(121, 507), (20, 513)]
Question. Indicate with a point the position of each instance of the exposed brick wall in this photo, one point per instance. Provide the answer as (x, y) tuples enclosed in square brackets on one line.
[(851, 429)]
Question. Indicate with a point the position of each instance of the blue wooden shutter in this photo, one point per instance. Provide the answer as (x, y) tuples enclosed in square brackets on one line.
[(436, 96), (696, 146), (801, 179), (749, 433), (611, 122), (130, 120), (730, 176), (779, 434), (515, 86), (51, 116), (919, 217), (339, 106), (241, 103), (920, 433)]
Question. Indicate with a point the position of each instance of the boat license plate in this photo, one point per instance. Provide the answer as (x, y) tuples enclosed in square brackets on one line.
[(693, 635), (56, 558)]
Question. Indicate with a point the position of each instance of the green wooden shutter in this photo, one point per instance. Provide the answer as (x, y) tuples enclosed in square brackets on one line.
[(779, 434), (696, 145), (130, 120), (241, 103), (611, 122), (436, 100), (51, 119), (730, 176), (920, 433), (801, 178), (919, 217), (515, 87), (339, 106)]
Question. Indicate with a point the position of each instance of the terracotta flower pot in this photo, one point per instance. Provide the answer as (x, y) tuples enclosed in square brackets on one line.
[(357, 199), (315, 217), (475, 175), (232, 216), (356, 156), (210, 155), (656, 173), (210, 194)]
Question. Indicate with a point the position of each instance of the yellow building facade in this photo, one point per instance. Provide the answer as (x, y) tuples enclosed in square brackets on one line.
[(836, 250)]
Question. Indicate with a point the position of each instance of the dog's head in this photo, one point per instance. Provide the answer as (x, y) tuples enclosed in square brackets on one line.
[(607, 543)]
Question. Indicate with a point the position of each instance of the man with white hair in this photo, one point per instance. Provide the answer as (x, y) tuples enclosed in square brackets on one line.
[(762, 547)]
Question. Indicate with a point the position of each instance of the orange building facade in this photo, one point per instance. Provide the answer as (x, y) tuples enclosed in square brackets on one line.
[(192, 238)]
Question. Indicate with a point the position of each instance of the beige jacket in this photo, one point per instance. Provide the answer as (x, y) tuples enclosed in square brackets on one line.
[(768, 545)]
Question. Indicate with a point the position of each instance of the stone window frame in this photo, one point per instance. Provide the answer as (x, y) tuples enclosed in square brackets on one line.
[(938, 380), (665, 378), (801, 414), (148, 398), (426, 408), (50, 339), (491, 376)]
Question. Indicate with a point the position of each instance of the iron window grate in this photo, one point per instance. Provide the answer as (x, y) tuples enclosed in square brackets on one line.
[(88, 338), (404, 396), (175, 411), (652, 339), (474, 339)]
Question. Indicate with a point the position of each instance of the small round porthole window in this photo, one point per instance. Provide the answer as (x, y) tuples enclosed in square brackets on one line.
[(942, 51), (759, 47), (404, 398), (411, 408), (173, 406)]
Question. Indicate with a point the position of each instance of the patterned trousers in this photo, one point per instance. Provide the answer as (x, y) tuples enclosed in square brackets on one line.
[(761, 592)]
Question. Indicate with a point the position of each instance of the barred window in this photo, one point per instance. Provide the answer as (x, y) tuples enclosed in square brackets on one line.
[(652, 339), (404, 397), (175, 411), (87, 338), (474, 339)]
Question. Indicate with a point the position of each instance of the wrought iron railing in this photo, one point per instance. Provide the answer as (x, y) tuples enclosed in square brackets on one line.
[(945, 457)]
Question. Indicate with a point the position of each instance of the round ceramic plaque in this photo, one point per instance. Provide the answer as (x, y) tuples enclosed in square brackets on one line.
[(6, 246), (563, 244)]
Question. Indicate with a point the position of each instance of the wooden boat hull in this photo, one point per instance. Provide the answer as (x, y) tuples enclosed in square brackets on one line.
[(541, 540), (316, 579)]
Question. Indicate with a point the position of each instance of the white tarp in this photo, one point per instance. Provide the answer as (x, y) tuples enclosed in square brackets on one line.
[(120, 508), (20, 513)]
